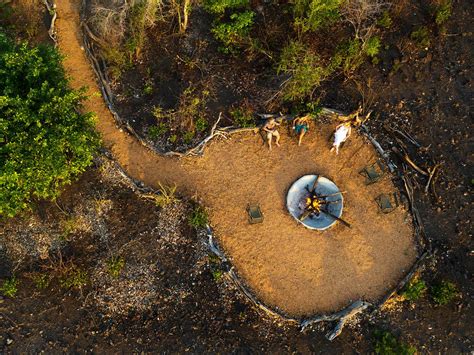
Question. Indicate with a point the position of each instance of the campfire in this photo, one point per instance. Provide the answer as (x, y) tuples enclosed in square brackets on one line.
[(316, 202)]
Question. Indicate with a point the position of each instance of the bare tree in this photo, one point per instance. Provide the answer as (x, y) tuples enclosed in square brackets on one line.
[(362, 15)]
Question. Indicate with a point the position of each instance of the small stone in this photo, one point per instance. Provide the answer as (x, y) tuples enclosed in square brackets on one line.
[(9, 341)]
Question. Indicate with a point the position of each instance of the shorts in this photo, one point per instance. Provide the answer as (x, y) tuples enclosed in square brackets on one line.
[(301, 127), (272, 134)]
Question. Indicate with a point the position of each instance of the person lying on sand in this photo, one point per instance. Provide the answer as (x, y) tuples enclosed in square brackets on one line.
[(342, 133), (301, 126), (271, 130)]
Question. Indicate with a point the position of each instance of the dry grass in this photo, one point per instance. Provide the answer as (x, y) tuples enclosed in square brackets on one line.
[(29, 13)]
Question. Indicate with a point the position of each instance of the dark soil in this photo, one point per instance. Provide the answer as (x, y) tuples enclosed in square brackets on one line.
[(428, 93)]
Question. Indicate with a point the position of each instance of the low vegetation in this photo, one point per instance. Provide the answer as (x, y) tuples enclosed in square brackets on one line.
[(73, 276), (415, 289), (443, 292), (115, 265), (385, 343), (9, 287), (198, 218)]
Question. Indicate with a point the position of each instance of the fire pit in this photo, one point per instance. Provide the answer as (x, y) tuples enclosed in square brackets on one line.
[(315, 202)]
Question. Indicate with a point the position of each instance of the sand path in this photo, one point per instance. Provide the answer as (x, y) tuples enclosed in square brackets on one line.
[(287, 266)]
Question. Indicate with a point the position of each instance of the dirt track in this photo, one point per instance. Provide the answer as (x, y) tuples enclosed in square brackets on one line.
[(295, 269)]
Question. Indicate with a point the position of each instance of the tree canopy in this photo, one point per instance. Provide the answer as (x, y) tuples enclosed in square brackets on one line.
[(45, 142)]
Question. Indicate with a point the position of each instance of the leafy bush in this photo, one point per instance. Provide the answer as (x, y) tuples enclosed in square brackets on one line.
[(218, 7), (10, 287), (41, 281), (443, 12), (155, 132), (198, 218), (311, 15), (348, 56), (421, 36), (414, 290), (232, 34), (372, 46), (45, 143), (387, 344), (305, 69), (115, 265), (385, 20), (243, 117), (188, 137), (73, 277), (201, 124), (443, 292)]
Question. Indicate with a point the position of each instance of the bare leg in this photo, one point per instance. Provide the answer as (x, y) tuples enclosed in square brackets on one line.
[(269, 139), (277, 139), (300, 138)]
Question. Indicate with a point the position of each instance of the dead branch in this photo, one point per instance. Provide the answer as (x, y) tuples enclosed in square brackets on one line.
[(52, 10), (410, 162), (432, 174)]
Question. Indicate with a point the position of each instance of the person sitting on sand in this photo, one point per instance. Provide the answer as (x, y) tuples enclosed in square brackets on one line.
[(270, 127), (342, 133), (301, 126)]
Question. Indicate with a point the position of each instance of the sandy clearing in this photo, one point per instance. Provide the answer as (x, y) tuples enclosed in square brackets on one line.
[(287, 266)]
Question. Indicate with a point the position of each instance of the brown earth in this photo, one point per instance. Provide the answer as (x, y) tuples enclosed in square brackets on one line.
[(288, 266)]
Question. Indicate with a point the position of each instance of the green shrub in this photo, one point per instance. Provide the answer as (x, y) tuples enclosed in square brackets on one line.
[(243, 117), (311, 15), (148, 88), (349, 56), (201, 124), (166, 196), (385, 20), (10, 287), (188, 137), (73, 277), (387, 344), (198, 218), (305, 69), (414, 290), (232, 34), (115, 265), (421, 36), (217, 274), (372, 46), (443, 292), (443, 12), (155, 132), (45, 143), (41, 281), (218, 7), (173, 138)]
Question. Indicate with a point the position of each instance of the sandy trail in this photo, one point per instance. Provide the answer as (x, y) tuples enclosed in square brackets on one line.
[(287, 266)]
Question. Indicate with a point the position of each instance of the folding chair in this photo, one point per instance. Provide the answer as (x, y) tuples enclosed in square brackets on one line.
[(255, 213), (387, 202), (373, 173)]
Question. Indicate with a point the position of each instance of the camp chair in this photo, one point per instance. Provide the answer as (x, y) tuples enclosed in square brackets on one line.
[(387, 202), (255, 214), (373, 173)]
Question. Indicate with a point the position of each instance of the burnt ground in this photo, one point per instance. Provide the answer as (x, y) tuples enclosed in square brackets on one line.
[(213, 317)]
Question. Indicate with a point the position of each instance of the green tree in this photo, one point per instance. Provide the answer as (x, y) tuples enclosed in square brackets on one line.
[(311, 15), (44, 141)]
